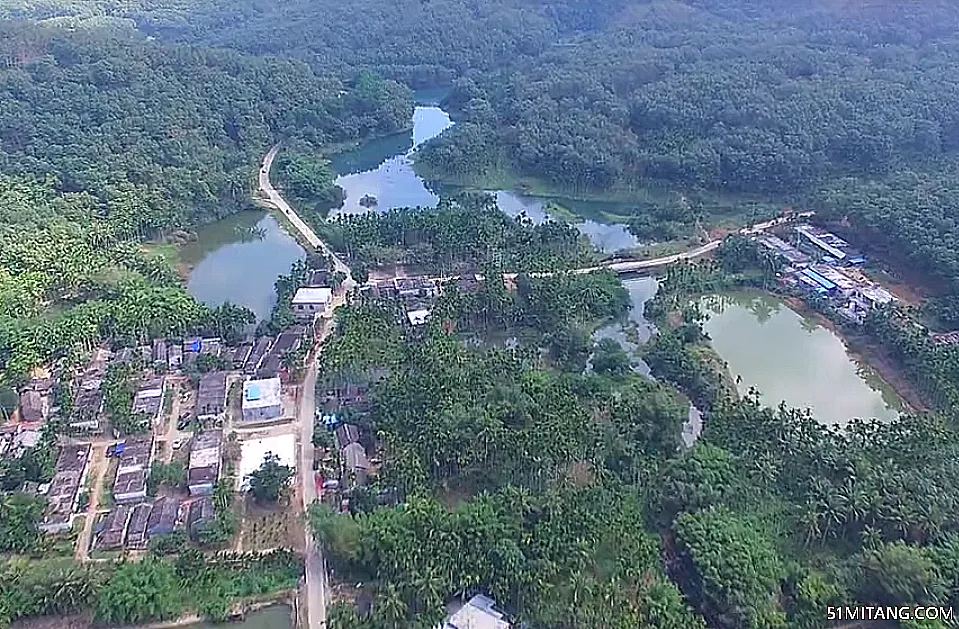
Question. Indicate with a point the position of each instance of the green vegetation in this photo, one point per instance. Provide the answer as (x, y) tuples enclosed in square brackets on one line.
[(109, 140), (172, 475), (462, 234), (271, 480), (142, 591)]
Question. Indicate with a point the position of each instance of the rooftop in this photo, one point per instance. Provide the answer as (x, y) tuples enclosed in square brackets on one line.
[(137, 527), (205, 451), (211, 395), (261, 393), (163, 515), (418, 317), (135, 453), (479, 613), (113, 528), (129, 484), (313, 295)]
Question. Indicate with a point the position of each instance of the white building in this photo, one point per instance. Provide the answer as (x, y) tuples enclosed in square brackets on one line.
[(311, 302), (262, 400), (479, 613), (418, 317), (254, 451)]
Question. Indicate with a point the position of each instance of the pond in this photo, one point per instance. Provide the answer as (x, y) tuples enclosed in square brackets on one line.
[(238, 259), (273, 617), (793, 359)]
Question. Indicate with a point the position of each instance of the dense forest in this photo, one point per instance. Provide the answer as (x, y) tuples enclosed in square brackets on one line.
[(108, 141), (560, 488)]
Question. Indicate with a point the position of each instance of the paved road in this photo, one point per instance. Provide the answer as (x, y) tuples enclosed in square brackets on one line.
[(273, 198), (317, 584)]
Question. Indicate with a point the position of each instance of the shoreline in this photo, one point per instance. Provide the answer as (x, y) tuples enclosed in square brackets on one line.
[(859, 348), (241, 609)]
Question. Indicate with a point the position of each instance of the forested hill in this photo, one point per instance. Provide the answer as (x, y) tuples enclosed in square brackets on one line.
[(108, 140), (180, 128), (733, 95)]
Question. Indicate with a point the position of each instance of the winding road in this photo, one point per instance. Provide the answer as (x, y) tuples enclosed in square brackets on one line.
[(317, 585)]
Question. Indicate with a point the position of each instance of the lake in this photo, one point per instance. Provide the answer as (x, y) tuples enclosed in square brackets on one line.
[(239, 258), (793, 359)]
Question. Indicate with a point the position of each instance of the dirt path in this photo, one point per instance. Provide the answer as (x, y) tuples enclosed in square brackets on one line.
[(99, 465)]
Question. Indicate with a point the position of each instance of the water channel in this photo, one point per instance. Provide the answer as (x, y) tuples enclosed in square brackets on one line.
[(793, 359)]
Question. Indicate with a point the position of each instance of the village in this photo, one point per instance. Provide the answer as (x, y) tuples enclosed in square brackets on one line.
[(210, 414)]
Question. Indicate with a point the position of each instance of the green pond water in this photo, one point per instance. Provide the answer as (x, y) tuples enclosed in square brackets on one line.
[(274, 617), (239, 258), (790, 358)]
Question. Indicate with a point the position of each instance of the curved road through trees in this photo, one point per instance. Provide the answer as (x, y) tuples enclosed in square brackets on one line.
[(317, 588)]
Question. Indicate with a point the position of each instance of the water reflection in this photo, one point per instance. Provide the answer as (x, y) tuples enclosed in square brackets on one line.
[(791, 359)]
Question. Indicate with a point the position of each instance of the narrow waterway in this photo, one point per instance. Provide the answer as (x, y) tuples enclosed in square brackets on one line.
[(641, 290), (793, 359), (239, 258)]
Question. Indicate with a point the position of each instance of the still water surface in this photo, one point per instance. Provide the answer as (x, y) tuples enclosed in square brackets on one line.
[(275, 617), (239, 258), (790, 358)]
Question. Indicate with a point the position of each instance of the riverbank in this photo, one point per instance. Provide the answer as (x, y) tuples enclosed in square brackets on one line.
[(237, 613)]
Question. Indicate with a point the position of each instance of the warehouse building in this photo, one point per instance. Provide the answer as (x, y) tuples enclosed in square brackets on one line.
[(69, 475), (134, 466), (211, 396)]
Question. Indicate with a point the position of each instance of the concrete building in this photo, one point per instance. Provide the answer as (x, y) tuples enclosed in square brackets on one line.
[(163, 517), (260, 349), (175, 358), (204, 462), (262, 400), (356, 465), (309, 303), (69, 475), (137, 527), (828, 245), (149, 400), (160, 354), (132, 471), (479, 613), (211, 396), (33, 407), (417, 318), (346, 434), (202, 514)]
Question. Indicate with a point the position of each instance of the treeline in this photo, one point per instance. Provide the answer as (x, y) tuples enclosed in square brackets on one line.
[(565, 497), (108, 140), (170, 134), (462, 234), (143, 591), (777, 101)]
